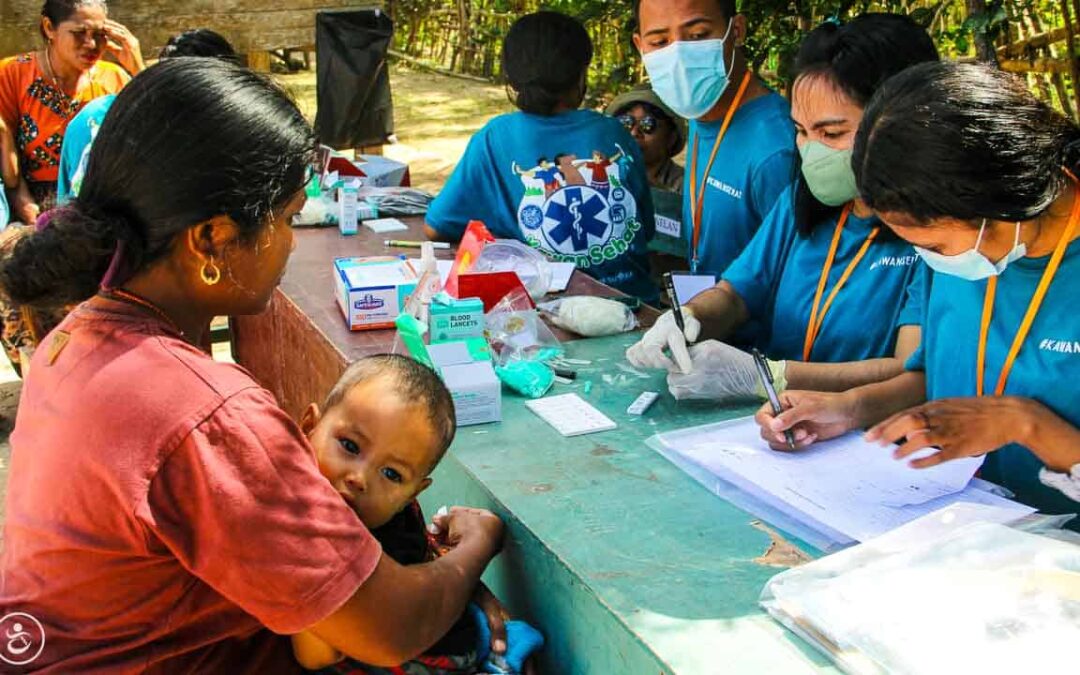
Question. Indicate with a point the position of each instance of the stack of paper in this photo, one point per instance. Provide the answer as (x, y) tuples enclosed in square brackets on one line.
[(831, 494)]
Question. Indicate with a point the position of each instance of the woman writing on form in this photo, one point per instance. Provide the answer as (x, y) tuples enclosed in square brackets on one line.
[(825, 284), (964, 163)]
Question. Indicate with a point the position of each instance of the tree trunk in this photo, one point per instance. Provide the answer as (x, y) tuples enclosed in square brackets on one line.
[(984, 46), (1070, 52)]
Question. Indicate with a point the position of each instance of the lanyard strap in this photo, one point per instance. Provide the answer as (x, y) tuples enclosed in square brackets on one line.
[(697, 192), (1032, 310), (818, 317)]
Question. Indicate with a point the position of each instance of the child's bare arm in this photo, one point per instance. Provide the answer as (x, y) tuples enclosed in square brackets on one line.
[(313, 653)]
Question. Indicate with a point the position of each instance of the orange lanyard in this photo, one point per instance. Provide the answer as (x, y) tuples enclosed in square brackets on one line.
[(817, 318), (697, 196), (1032, 310)]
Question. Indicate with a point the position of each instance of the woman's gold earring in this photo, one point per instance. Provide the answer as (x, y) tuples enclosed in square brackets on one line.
[(210, 272)]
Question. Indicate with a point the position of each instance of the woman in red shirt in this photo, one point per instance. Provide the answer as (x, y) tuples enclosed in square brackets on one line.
[(41, 91), (162, 511)]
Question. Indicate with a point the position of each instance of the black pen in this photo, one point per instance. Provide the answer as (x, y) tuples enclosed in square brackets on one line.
[(669, 286), (770, 391)]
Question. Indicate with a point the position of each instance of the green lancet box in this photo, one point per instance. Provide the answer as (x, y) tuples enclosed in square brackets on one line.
[(456, 320)]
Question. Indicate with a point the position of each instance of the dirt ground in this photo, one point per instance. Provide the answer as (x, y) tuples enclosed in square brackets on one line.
[(434, 117)]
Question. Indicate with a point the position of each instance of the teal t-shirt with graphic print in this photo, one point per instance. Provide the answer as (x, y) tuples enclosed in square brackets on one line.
[(1047, 367), (572, 185)]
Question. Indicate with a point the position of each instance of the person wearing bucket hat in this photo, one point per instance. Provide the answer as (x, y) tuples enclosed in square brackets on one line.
[(659, 132), (740, 149)]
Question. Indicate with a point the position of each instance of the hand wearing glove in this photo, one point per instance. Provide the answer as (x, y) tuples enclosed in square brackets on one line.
[(665, 334), (723, 373)]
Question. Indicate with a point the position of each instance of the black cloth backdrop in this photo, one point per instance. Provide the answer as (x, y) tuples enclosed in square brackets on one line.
[(353, 86)]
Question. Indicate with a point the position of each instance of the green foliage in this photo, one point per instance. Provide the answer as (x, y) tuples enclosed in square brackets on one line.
[(961, 28)]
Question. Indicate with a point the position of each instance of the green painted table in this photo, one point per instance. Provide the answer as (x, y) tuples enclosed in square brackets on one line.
[(625, 563)]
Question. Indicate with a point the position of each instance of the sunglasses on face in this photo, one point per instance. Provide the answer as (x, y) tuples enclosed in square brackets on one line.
[(647, 124)]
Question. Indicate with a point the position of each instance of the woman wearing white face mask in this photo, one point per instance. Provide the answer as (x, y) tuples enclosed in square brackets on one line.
[(828, 286), (739, 150), (964, 163)]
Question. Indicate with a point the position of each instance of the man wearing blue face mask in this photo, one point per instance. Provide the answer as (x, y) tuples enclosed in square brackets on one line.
[(740, 153)]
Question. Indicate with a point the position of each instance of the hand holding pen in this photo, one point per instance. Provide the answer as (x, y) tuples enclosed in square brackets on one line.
[(808, 416), (770, 391)]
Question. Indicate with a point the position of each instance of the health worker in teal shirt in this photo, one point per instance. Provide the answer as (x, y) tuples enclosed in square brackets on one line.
[(568, 182), (831, 288), (963, 162), (739, 156)]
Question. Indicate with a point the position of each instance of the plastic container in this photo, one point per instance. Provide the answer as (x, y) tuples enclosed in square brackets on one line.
[(507, 255)]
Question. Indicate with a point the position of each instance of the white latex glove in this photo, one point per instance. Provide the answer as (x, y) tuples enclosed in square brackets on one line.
[(723, 373), (665, 334)]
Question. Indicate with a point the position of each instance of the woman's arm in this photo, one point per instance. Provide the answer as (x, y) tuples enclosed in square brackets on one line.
[(313, 653), (720, 310), (1053, 440), (9, 156), (23, 206), (844, 376), (968, 427), (400, 611)]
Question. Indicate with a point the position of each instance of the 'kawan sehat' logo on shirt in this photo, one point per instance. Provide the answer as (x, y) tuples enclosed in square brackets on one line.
[(578, 210), (894, 261), (1060, 346)]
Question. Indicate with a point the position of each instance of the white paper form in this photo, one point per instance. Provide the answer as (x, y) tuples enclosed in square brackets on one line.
[(847, 485), (570, 414), (560, 276), (687, 286)]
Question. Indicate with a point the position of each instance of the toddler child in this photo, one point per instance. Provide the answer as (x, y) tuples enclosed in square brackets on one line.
[(382, 430)]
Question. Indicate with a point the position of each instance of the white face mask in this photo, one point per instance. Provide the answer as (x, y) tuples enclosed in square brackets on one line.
[(971, 264)]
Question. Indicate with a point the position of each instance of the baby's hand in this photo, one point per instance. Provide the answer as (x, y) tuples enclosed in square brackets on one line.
[(497, 616)]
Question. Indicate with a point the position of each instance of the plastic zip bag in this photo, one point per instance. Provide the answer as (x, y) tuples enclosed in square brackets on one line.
[(590, 316)]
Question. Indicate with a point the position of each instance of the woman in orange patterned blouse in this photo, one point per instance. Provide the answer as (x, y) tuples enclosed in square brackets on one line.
[(41, 91)]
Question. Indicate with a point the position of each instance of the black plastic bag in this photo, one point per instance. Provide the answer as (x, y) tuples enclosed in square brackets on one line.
[(354, 103)]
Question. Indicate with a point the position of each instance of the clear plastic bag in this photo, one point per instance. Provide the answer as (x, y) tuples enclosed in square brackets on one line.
[(516, 332), (590, 316), (977, 598), (508, 255)]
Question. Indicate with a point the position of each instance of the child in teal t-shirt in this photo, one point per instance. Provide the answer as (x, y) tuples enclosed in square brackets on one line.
[(569, 182)]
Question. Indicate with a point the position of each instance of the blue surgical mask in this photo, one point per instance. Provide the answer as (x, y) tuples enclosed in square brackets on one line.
[(971, 264), (689, 76)]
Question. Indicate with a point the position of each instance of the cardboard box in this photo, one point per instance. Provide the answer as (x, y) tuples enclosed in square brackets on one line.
[(372, 291), (379, 171), (466, 369), (452, 319)]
